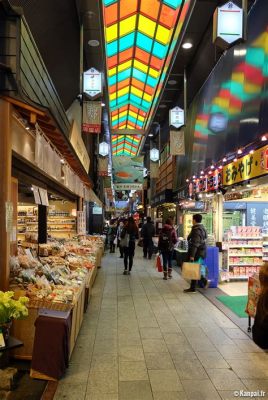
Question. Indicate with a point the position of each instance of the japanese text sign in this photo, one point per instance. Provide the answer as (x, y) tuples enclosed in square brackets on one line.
[(247, 167)]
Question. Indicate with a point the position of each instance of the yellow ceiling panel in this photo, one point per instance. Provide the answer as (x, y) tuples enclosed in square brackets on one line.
[(136, 91), (125, 65), (133, 114), (153, 73), (139, 65), (123, 91), (112, 33), (127, 25), (163, 35), (147, 97), (112, 71), (146, 26)]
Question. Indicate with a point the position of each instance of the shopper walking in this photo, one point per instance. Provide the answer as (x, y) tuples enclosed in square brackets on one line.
[(197, 249), (167, 240), (147, 233), (260, 327), (118, 235), (112, 235), (129, 234)]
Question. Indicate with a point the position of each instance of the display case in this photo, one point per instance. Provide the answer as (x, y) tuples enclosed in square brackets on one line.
[(242, 253), (27, 223)]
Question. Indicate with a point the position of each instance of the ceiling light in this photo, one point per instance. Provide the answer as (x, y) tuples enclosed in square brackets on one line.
[(235, 159), (202, 172), (93, 43), (62, 161), (239, 151), (162, 106), (28, 128), (220, 167), (194, 176), (187, 180), (187, 45), (224, 159), (248, 184), (263, 138), (251, 152), (172, 82), (151, 134), (103, 104), (212, 166)]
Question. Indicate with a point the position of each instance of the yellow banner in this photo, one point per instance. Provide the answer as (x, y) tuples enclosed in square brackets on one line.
[(247, 167)]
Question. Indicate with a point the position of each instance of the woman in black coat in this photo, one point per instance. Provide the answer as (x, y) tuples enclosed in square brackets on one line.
[(129, 234), (260, 327)]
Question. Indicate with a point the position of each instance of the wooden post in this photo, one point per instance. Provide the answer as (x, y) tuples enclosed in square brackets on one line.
[(5, 190)]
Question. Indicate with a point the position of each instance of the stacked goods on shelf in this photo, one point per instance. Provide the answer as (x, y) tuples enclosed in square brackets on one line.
[(242, 252), (27, 221), (61, 224), (265, 246)]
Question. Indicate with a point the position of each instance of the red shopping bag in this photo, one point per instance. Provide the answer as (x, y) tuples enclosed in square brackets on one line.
[(159, 264)]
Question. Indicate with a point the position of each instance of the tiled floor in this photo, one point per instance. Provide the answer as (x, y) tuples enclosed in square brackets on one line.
[(235, 288), (144, 339)]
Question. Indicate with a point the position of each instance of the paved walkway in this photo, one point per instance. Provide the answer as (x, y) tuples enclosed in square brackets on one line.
[(144, 339)]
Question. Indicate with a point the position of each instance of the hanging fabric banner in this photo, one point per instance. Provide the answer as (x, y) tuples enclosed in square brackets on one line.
[(91, 117), (103, 166), (177, 146), (154, 170), (107, 182)]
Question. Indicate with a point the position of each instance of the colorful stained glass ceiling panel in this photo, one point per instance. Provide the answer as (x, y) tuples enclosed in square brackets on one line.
[(140, 38)]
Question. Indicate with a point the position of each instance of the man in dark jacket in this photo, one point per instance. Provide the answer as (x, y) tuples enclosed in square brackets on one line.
[(197, 248), (147, 233)]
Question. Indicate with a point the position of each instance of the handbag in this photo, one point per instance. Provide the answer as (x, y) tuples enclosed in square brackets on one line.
[(124, 242), (115, 240), (159, 263), (191, 270), (140, 242)]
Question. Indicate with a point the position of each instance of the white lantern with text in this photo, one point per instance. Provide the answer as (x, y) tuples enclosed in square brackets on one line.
[(103, 149), (154, 155)]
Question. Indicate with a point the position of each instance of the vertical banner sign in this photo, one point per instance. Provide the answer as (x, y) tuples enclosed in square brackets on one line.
[(177, 146), (176, 117), (81, 222), (91, 117), (103, 166), (228, 25), (92, 83), (154, 170)]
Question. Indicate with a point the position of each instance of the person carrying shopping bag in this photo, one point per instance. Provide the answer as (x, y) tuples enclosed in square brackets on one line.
[(197, 249), (118, 235), (166, 243)]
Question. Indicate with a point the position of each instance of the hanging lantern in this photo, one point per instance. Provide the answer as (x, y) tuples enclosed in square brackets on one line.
[(103, 149), (154, 154), (228, 25)]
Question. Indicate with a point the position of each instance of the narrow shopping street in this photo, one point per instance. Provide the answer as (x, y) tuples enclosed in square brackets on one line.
[(142, 338)]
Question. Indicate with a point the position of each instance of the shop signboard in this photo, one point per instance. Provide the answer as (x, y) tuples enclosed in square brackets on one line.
[(128, 186), (228, 24), (128, 169), (247, 167), (257, 214), (176, 117), (107, 182), (91, 117), (97, 210), (81, 222), (209, 183), (92, 83)]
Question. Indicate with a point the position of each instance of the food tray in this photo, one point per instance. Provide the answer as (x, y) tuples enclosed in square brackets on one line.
[(50, 305)]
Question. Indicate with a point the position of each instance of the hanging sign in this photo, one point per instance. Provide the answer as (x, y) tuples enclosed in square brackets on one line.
[(103, 166), (177, 146), (228, 24), (79, 146), (247, 167), (81, 222), (92, 83), (154, 170), (176, 117), (91, 117)]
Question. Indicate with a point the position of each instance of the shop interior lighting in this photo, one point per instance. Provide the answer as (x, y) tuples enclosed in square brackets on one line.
[(251, 152), (200, 195), (248, 184), (187, 180), (235, 159), (187, 45), (239, 151), (194, 176), (233, 189), (220, 167), (264, 138), (202, 172), (224, 159), (212, 166), (62, 161), (28, 128), (172, 82), (103, 104)]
